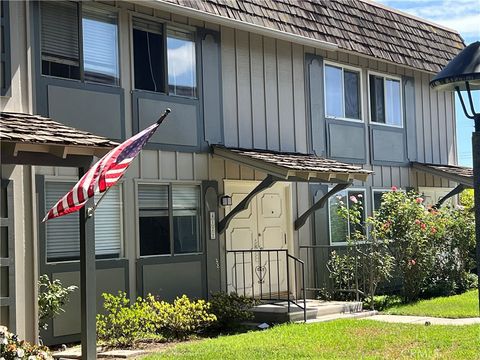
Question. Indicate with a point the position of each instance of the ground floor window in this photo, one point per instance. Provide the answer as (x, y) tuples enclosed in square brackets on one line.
[(341, 228), (432, 195), (62, 234), (169, 219)]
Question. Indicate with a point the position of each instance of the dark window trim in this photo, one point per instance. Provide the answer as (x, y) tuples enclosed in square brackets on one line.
[(6, 57), (165, 27), (139, 182)]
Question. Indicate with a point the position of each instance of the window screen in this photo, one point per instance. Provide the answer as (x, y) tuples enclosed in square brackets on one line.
[(148, 55), (333, 91), (352, 94), (154, 222), (62, 234), (186, 233), (5, 48), (385, 100), (182, 74), (377, 100)]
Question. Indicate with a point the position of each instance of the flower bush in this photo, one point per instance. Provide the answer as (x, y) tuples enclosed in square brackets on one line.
[(12, 349), (432, 250)]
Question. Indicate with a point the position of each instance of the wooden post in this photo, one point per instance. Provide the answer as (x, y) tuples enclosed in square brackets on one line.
[(88, 286)]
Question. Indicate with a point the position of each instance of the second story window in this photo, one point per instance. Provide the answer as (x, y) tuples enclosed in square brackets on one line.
[(342, 93), (164, 59), (385, 100), (79, 41)]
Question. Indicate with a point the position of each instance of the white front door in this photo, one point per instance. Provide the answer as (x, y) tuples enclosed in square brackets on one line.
[(264, 225)]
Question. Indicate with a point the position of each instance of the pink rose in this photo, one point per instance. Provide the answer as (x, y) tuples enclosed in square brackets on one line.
[(353, 199), (412, 262), (417, 222), (423, 226), (433, 229), (419, 200), (394, 188)]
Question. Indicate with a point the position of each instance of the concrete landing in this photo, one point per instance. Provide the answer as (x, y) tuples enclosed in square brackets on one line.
[(278, 312), (423, 320)]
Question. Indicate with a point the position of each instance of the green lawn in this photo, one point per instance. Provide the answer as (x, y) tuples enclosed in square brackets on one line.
[(457, 306), (341, 339)]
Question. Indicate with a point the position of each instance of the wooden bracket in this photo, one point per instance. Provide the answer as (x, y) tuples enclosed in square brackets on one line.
[(319, 204), (242, 205)]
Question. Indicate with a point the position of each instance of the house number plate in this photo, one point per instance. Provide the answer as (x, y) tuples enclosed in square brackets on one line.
[(213, 229)]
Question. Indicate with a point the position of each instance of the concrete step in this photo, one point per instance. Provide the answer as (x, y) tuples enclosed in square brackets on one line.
[(335, 307)]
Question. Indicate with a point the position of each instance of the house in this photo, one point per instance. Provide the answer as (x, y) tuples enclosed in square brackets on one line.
[(276, 105)]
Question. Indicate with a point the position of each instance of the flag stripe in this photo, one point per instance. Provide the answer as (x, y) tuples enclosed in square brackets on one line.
[(104, 174)]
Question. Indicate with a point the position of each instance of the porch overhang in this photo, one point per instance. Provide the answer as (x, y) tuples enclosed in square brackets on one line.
[(27, 139), (459, 174), (295, 167)]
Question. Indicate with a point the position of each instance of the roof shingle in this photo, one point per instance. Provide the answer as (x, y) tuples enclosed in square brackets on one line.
[(359, 26), (26, 128)]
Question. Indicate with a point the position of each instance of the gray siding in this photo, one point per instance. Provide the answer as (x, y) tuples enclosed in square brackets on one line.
[(263, 92)]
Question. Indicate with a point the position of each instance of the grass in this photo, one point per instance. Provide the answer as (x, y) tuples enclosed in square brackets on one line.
[(458, 306), (341, 339)]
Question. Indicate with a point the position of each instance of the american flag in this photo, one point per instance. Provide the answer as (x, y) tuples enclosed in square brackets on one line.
[(104, 174)]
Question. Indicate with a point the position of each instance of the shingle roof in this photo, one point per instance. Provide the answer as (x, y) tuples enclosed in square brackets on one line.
[(460, 174), (288, 165), (26, 128), (359, 26)]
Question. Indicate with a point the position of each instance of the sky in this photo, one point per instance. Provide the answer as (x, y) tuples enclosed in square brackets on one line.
[(463, 16)]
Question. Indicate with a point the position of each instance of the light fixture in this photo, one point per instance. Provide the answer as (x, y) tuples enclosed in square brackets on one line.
[(462, 73), (226, 200)]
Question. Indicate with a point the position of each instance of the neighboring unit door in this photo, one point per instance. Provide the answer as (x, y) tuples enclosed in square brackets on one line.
[(262, 226)]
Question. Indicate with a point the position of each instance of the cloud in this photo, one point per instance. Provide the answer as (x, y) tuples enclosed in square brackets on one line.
[(460, 15), (181, 63)]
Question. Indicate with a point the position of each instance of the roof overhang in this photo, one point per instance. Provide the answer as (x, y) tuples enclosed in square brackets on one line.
[(295, 167), (459, 174), (241, 25)]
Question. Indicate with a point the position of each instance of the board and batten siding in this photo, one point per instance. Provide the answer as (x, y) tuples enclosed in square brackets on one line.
[(263, 86)]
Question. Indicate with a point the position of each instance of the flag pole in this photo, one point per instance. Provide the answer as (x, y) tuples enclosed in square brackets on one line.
[(92, 209)]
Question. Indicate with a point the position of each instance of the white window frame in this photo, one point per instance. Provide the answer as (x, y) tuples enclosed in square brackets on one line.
[(385, 77), (73, 181), (365, 211), (171, 183), (343, 67)]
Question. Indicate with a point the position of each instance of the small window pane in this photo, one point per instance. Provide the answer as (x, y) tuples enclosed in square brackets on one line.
[(182, 76), (377, 199), (352, 94), (4, 281), (338, 225), (100, 46), (186, 220), (393, 97), (4, 242), (377, 101), (333, 91), (154, 220), (59, 39), (5, 316), (148, 55), (108, 224), (359, 197)]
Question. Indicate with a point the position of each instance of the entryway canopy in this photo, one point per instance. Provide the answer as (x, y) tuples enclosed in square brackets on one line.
[(35, 140), (460, 174), (288, 166)]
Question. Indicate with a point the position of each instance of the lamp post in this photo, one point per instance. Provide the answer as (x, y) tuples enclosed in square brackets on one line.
[(463, 74)]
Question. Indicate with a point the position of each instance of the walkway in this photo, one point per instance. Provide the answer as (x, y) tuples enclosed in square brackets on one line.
[(406, 319)]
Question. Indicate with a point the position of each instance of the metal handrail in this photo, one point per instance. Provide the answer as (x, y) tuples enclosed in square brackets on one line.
[(261, 272)]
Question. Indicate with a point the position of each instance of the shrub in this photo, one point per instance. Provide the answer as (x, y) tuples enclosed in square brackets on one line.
[(231, 309), (366, 261), (11, 348), (183, 318), (51, 299), (123, 324)]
